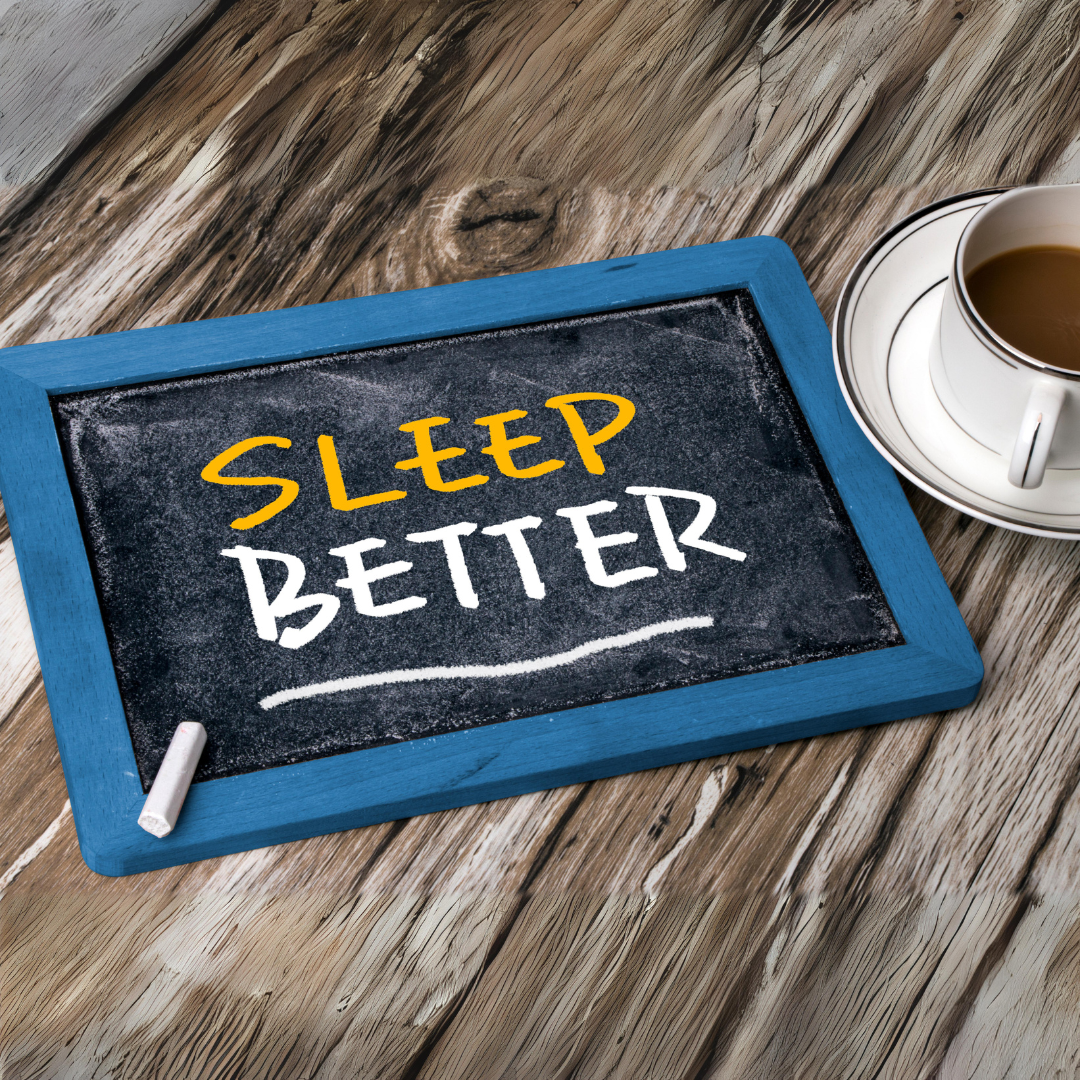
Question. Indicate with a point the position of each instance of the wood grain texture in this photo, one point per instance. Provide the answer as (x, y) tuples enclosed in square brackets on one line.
[(18, 660), (892, 902), (65, 66)]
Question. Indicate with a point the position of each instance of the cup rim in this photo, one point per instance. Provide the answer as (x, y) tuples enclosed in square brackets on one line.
[(996, 344)]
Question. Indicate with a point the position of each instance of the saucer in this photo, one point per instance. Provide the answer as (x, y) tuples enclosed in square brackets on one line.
[(884, 325)]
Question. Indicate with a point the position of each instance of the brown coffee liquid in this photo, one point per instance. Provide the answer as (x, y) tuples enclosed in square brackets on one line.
[(1030, 296)]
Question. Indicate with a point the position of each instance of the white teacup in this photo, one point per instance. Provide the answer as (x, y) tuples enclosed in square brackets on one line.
[(1026, 410)]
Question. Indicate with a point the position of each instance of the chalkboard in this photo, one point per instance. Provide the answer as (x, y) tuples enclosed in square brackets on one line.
[(713, 416), (423, 549)]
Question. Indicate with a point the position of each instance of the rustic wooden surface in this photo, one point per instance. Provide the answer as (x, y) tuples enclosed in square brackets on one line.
[(65, 65), (893, 902)]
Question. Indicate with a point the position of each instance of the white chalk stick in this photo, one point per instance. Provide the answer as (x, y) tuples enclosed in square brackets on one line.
[(170, 787)]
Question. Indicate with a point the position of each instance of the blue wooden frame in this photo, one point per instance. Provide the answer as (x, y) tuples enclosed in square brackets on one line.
[(938, 667)]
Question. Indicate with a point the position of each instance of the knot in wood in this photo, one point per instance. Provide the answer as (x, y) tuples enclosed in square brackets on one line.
[(503, 225)]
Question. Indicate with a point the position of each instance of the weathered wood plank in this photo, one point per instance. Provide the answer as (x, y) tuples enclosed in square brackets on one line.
[(18, 658), (314, 134), (1024, 1022), (64, 67), (30, 775), (194, 985)]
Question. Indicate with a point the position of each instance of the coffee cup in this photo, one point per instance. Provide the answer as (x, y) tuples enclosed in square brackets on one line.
[(1025, 409)]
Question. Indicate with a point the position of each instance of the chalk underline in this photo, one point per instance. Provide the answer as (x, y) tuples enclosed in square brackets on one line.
[(487, 671)]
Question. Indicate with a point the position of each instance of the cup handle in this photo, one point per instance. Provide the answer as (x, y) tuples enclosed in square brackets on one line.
[(1036, 433)]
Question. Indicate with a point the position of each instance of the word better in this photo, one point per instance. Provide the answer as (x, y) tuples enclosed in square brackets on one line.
[(359, 577)]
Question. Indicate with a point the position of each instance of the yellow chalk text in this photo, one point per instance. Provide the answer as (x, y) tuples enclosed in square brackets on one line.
[(502, 446), (585, 442), (289, 488), (335, 483), (427, 457)]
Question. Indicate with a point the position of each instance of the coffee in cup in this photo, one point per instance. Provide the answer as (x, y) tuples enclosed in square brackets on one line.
[(1030, 297), (1006, 361)]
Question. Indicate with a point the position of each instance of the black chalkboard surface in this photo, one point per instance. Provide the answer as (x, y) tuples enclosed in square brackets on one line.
[(668, 433)]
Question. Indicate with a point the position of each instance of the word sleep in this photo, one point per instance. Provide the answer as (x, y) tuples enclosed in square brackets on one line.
[(359, 576), (501, 448)]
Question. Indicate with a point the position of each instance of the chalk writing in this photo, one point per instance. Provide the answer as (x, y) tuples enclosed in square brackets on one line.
[(360, 577), (519, 547), (590, 545), (287, 602), (428, 460), (450, 538), (289, 488), (586, 444), (691, 536), (489, 671), (335, 483), (502, 445), (427, 457)]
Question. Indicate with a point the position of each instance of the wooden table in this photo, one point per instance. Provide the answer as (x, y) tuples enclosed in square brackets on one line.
[(900, 901)]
